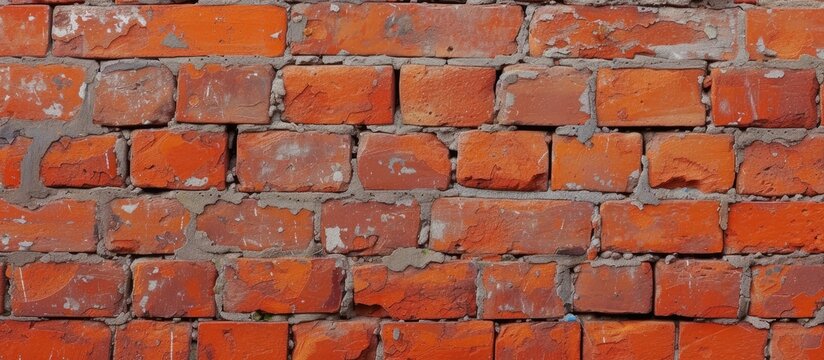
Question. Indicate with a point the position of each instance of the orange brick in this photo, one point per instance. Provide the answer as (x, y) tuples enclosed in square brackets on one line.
[(283, 286), (525, 92), (786, 291), (11, 161), (173, 288), (59, 339), (790, 341), (496, 226), (774, 169), (224, 94), (82, 162), (442, 340), (61, 225), (629, 340), (673, 226), (2, 288), (145, 225), (608, 289), (649, 97), (698, 161), (142, 339), (403, 162), (785, 33), (610, 162), (25, 30), (720, 341), (518, 290), (292, 161), (184, 160), (143, 96), (697, 288), (249, 341), (369, 228), (448, 95), (41, 92), (247, 226), (506, 160), (355, 339), (775, 227), (438, 291), (337, 94), (629, 31), (168, 31), (68, 289), (773, 98), (398, 29), (539, 341)]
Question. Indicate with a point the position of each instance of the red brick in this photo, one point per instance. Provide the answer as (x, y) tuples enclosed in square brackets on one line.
[(61, 225), (142, 339), (786, 291), (719, 341), (41, 92), (400, 29), (442, 340), (82, 162), (438, 291), (2, 288), (448, 95), (785, 33), (369, 228), (774, 169), (518, 290), (247, 226), (292, 161), (628, 340), (525, 92), (673, 226), (496, 226), (629, 31), (283, 286), (11, 161), (507, 160), (539, 341), (168, 31), (616, 290), (68, 289), (224, 94), (59, 339), (237, 340), (773, 98), (145, 225), (355, 339), (697, 288), (403, 162), (790, 341), (775, 227), (609, 162), (674, 162), (173, 288), (25, 30), (337, 94), (143, 96), (649, 97), (184, 160)]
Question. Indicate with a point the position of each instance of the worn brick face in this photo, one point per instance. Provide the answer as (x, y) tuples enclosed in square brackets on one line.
[(61, 225), (674, 162), (459, 96), (784, 33), (609, 163), (25, 30), (85, 162), (143, 96), (250, 341), (156, 160), (442, 340), (145, 225), (248, 226), (697, 288), (775, 227), (526, 91), (221, 94), (356, 339), (539, 340), (55, 338), (369, 228), (328, 95), (438, 291), (775, 169), (505, 160), (794, 341), (173, 288), (41, 92), (494, 226), (720, 341), (607, 289), (786, 291), (143, 339), (11, 161), (626, 340), (403, 162), (516, 290)]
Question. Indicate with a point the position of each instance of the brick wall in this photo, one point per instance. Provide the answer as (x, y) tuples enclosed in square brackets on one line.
[(231, 180)]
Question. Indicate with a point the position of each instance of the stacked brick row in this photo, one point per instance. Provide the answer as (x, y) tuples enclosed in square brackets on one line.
[(411, 181)]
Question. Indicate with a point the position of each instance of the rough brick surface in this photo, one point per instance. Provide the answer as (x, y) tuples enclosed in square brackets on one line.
[(444, 340), (62, 225), (248, 226), (697, 288), (786, 291), (82, 162), (143, 96), (526, 91), (460, 96), (540, 341), (775, 227), (720, 341), (369, 228), (774, 169), (57, 338), (518, 290), (11, 161), (224, 94), (794, 341), (250, 341), (610, 163), (356, 339), (626, 340), (784, 33), (403, 162), (143, 339), (506, 160), (145, 225), (173, 288), (44, 92), (25, 30), (156, 160), (674, 162), (609, 289)]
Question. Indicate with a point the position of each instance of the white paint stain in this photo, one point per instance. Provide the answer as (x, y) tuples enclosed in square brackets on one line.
[(333, 240), (55, 110), (436, 230), (193, 181), (774, 74), (130, 208)]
